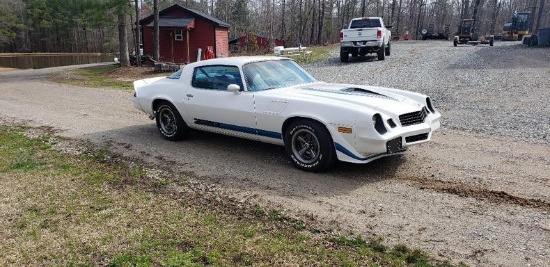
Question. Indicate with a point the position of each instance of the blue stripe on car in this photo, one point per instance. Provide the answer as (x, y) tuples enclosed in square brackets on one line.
[(350, 154), (238, 128)]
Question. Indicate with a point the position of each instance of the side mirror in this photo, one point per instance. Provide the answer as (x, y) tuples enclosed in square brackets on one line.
[(234, 88)]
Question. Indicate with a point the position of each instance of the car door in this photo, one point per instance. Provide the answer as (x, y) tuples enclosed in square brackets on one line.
[(212, 108)]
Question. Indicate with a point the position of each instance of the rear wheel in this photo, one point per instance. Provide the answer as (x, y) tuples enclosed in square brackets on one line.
[(455, 42), (382, 52), (388, 49), (309, 146), (170, 123)]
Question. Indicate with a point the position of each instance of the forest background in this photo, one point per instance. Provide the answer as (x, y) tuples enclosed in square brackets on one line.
[(96, 25)]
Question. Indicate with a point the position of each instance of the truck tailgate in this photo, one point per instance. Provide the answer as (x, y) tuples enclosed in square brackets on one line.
[(352, 35)]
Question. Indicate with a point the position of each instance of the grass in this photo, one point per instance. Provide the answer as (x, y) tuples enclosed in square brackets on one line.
[(97, 208), (92, 77), (319, 53), (101, 76)]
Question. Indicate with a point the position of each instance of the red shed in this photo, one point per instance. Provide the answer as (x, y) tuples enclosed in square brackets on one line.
[(182, 31)]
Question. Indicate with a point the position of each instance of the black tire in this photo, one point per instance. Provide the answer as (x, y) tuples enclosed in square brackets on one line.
[(388, 49), (170, 123), (309, 146), (491, 42), (455, 43), (344, 56), (382, 52)]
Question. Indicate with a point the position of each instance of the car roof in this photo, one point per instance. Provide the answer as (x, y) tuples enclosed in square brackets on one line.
[(238, 61)]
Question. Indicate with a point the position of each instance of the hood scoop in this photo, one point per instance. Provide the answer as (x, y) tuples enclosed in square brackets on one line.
[(352, 91)]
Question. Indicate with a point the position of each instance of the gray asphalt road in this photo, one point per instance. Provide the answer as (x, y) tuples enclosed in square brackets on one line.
[(478, 193)]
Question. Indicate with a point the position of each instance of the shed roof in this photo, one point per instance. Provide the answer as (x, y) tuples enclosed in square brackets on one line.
[(216, 21), (171, 22)]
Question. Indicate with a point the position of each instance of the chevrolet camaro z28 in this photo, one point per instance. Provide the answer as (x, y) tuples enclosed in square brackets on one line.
[(274, 100)]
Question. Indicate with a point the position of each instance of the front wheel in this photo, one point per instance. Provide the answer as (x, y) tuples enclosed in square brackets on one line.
[(388, 49), (170, 123), (309, 146)]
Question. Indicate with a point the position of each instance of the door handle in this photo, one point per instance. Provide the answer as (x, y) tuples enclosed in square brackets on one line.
[(189, 95)]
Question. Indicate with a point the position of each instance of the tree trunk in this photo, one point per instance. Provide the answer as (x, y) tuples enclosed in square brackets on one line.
[(138, 35), (156, 31), (321, 20), (123, 38), (541, 8)]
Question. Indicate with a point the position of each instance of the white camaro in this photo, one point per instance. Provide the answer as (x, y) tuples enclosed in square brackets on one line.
[(273, 100)]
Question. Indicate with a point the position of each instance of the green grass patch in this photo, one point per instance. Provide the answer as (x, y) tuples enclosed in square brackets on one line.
[(319, 53), (94, 209), (102, 76), (94, 77)]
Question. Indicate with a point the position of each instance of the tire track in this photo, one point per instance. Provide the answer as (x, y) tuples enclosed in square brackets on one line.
[(464, 190)]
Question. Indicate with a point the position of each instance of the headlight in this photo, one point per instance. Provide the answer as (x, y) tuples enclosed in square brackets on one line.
[(378, 124)]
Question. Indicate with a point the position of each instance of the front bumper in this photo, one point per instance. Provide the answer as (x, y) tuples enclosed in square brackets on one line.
[(369, 146)]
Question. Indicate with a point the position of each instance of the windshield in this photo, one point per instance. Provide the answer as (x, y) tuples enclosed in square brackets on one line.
[(265, 75)]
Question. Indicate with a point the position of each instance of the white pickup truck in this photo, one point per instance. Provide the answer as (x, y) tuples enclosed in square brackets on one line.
[(365, 35)]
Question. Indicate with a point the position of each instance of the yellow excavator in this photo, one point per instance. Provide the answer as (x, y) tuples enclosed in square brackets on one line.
[(468, 34), (468, 31), (517, 28)]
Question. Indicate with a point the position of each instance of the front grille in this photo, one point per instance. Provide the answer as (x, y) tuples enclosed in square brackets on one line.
[(416, 138), (413, 117)]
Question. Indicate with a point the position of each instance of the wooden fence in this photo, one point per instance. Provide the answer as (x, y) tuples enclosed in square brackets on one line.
[(46, 60)]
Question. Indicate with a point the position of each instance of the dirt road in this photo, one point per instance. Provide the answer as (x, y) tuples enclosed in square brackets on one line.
[(478, 193)]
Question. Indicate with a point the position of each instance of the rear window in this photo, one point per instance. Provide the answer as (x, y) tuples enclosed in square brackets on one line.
[(365, 23)]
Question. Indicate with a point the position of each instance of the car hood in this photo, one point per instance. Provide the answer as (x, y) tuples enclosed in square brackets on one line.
[(375, 98)]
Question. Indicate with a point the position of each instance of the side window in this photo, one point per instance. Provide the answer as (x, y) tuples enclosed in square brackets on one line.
[(216, 77)]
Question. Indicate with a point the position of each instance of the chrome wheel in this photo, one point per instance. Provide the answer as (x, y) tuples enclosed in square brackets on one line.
[(305, 146), (167, 121)]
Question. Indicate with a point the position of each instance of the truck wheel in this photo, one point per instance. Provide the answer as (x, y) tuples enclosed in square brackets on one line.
[(382, 52), (388, 49), (455, 42), (491, 42), (344, 56)]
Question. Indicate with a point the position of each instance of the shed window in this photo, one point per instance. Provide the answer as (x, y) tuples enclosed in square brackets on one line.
[(178, 35)]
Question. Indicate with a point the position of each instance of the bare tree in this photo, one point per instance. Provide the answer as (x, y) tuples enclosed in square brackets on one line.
[(123, 35), (156, 30)]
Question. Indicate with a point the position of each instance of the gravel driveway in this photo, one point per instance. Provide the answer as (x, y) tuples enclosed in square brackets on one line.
[(478, 193)]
